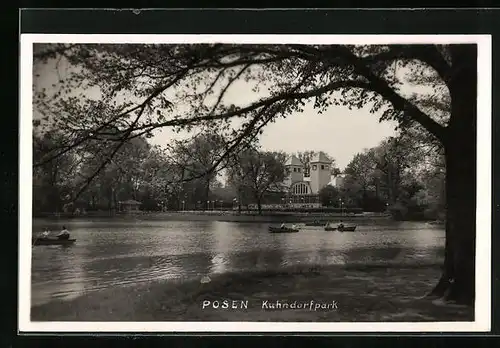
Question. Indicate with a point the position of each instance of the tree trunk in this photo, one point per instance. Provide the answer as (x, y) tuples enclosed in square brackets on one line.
[(110, 200), (115, 201), (239, 194), (206, 192), (259, 204), (458, 280)]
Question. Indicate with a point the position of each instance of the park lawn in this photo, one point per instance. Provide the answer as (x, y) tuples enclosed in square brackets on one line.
[(362, 294)]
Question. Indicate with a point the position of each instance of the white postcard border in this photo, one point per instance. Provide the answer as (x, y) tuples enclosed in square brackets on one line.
[(483, 210)]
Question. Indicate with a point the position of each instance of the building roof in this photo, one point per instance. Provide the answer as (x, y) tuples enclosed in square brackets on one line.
[(130, 201), (320, 157), (293, 161)]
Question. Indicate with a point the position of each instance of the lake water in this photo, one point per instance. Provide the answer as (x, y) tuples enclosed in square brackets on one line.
[(111, 253)]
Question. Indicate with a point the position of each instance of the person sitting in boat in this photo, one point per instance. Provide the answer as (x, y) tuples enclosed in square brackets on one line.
[(282, 225), (45, 233), (64, 234), (340, 225), (294, 227)]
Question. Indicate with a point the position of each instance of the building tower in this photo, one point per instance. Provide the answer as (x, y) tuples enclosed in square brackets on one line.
[(294, 170), (320, 171)]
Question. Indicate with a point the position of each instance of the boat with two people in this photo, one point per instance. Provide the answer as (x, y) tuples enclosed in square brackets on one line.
[(343, 228), (340, 227), (62, 238), (315, 223), (283, 229)]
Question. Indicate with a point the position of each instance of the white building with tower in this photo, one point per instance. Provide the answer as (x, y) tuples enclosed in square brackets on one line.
[(299, 190), (305, 189)]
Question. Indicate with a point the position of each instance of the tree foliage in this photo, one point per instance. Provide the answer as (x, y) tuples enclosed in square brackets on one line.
[(257, 173), (396, 174), (140, 88), (329, 196)]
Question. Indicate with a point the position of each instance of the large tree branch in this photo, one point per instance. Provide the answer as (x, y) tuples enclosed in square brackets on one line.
[(428, 54), (94, 134), (98, 130), (264, 102), (381, 86), (228, 85)]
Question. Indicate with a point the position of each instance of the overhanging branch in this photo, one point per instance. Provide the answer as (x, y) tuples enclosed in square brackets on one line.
[(264, 102), (379, 85), (428, 54)]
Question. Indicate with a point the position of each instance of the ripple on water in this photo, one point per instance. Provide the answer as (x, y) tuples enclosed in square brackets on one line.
[(120, 254)]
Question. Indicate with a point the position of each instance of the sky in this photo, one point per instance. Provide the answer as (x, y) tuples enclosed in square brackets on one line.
[(339, 132)]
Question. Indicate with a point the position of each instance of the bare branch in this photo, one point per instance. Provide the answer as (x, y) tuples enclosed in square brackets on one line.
[(224, 90)]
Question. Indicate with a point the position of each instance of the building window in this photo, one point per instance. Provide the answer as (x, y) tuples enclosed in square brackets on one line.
[(315, 167), (326, 166), (298, 169), (294, 169), (322, 167), (299, 189)]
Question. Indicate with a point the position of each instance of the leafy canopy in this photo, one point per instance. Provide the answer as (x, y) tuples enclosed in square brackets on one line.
[(112, 93)]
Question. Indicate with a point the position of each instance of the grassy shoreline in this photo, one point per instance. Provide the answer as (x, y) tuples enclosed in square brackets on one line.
[(362, 293)]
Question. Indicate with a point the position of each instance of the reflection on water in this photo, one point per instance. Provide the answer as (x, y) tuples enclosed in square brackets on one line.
[(115, 253)]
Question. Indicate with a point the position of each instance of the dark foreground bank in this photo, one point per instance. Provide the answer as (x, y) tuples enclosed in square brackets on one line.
[(349, 293)]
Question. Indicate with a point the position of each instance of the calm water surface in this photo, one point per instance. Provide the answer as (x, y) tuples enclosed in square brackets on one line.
[(113, 253)]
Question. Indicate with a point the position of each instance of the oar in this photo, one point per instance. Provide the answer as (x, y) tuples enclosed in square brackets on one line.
[(36, 238)]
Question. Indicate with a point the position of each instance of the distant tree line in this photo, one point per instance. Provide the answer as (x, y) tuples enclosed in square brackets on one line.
[(185, 176), (400, 175)]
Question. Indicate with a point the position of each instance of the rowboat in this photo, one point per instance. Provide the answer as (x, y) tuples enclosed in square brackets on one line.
[(52, 241), (341, 229), (346, 229), (315, 223), (282, 230)]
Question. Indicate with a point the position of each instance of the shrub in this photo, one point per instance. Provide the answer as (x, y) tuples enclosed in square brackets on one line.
[(398, 211)]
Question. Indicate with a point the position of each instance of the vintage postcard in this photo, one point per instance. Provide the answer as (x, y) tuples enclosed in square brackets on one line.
[(255, 183)]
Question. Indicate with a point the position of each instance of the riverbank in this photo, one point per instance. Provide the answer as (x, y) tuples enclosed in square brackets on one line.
[(352, 293), (225, 216)]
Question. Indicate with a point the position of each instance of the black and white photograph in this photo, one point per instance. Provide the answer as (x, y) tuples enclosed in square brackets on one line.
[(255, 183)]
